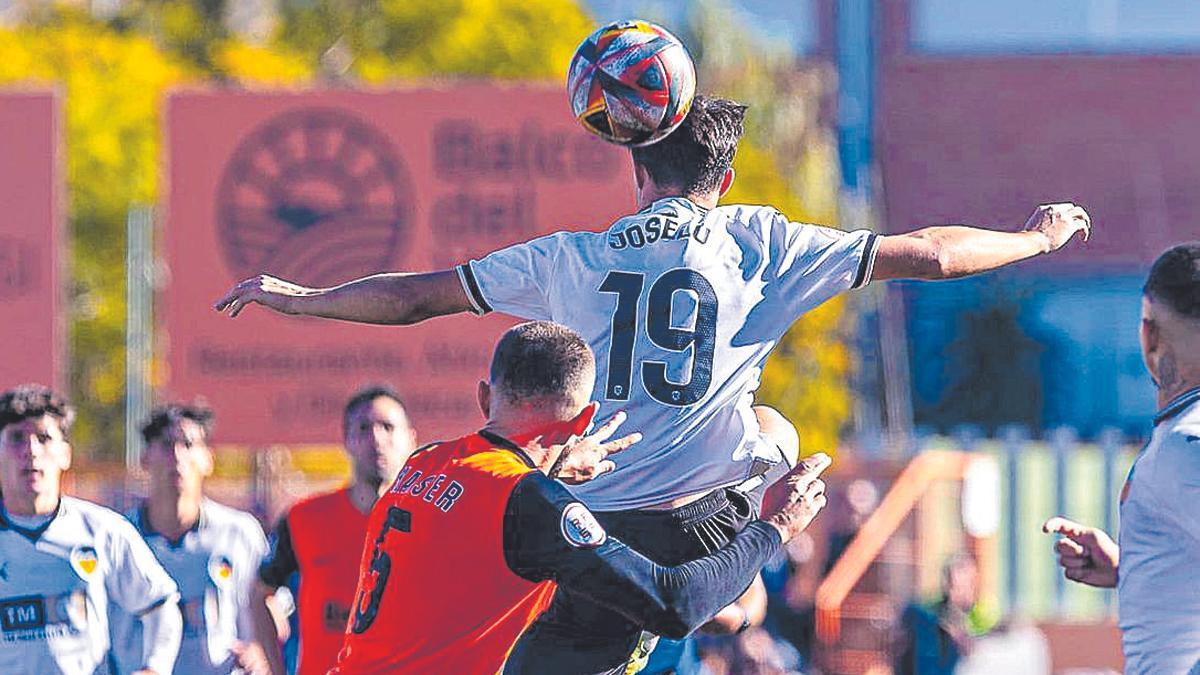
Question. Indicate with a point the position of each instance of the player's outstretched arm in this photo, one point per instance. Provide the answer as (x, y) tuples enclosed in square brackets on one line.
[(1086, 554), (393, 298), (951, 251)]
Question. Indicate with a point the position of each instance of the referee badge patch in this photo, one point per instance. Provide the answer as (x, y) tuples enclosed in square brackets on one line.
[(580, 528)]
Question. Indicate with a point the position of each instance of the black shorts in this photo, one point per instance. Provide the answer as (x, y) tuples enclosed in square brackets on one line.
[(577, 636)]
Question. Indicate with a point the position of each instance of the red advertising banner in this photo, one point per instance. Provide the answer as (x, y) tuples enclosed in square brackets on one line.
[(979, 140), (30, 239), (322, 187)]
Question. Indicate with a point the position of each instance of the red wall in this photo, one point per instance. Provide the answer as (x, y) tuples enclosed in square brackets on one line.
[(982, 140)]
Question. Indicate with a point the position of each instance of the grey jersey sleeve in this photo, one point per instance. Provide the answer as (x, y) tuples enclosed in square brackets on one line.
[(255, 551), (1180, 485), (141, 587), (515, 280), (816, 263)]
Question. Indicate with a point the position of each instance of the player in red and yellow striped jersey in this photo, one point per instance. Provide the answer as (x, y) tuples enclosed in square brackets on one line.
[(465, 549)]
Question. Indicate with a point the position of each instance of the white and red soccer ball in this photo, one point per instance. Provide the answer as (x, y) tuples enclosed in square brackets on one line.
[(631, 83)]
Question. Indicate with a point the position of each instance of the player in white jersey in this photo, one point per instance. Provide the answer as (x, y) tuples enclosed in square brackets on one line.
[(211, 550), (682, 303), (66, 563), (1154, 567)]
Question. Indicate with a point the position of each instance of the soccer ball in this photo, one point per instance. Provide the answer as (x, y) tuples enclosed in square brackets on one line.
[(631, 83)]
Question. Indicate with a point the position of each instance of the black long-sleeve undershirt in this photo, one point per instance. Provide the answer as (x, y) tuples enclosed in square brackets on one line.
[(669, 601)]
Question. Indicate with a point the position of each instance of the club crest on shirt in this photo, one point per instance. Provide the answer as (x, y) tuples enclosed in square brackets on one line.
[(220, 570), (84, 561), (580, 528)]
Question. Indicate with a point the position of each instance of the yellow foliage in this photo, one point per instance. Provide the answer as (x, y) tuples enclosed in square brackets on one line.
[(113, 84), (402, 39), (252, 65), (807, 376)]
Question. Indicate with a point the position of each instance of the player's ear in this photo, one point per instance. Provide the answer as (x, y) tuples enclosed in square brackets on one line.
[(583, 421), (209, 462), (1150, 336), (64, 459), (726, 181), (484, 396)]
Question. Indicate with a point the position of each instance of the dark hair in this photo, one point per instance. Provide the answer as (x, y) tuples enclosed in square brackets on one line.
[(366, 395), (166, 416), (695, 157), (1175, 279), (541, 359), (30, 401)]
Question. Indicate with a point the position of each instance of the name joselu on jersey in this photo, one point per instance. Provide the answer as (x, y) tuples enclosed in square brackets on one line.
[(656, 227)]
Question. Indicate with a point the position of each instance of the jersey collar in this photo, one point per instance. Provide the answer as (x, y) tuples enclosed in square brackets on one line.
[(678, 201), (1177, 405), (31, 535), (142, 523), (502, 442)]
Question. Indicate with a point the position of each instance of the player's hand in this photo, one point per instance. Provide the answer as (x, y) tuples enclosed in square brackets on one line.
[(251, 658), (265, 290), (804, 499), (1086, 554), (1059, 222), (584, 458)]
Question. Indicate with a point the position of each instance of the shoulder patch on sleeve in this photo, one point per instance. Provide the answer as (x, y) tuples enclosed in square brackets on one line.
[(580, 528)]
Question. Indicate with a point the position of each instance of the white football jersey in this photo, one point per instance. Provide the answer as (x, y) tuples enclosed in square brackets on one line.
[(681, 306), (59, 583), (214, 565), (1158, 593)]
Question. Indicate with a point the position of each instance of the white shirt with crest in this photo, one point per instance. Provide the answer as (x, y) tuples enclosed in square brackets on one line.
[(1158, 588), (60, 583), (214, 565), (681, 305)]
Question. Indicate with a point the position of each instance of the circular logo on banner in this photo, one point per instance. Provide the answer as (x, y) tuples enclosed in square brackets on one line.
[(315, 195), (580, 528)]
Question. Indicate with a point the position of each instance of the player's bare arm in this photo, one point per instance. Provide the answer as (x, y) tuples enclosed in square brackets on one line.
[(393, 298), (1086, 554), (951, 251)]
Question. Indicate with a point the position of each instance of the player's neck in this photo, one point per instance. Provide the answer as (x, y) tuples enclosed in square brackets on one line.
[(518, 431), (171, 515), (364, 494), (650, 193), (36, 505), (1180, 387)]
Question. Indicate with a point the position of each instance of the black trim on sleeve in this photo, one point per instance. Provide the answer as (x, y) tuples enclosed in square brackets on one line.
[(866, 262), (281, 562), (468, 276)]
